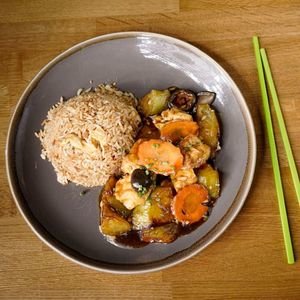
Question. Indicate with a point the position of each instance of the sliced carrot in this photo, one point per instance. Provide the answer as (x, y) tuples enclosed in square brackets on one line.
[(132, 155), (135, 146), (177, 130), (187, 204), (159, 156)]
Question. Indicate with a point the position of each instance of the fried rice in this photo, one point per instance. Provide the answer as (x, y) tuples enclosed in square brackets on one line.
[(86, 136)]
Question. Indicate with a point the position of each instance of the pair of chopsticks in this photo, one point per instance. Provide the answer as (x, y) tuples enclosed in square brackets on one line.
[(265, 74)]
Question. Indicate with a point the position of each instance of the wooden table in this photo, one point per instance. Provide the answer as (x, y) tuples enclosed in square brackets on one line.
[(248, 260)]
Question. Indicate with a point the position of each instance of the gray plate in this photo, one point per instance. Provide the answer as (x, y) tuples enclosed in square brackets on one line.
[(137, 62)]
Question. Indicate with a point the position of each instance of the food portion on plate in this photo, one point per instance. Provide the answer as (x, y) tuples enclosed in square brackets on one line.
[(86, 137), (168, 184), (153, 156)]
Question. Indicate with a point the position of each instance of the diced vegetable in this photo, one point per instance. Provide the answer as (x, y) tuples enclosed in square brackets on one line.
[(118, 207), (160, 210), (209, 177), (183, 99), (148, 130), (194, 151), (209, 125), (134, 149), (177, 130), (159, 156), (187, 205), (156, 210), (141, 216), (111, 222), (154, 102), (130, 161), (161, 234)]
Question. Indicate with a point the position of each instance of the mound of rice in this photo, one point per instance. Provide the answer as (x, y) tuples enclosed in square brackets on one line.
[(86, 136)]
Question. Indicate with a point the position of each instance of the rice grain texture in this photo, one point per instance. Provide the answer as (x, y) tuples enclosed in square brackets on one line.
[(86, 137)]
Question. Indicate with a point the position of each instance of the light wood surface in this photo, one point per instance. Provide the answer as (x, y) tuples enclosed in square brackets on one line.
[(248, 260)]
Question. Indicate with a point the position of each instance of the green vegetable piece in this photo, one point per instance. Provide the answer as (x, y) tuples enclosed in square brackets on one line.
[(209, 177), (112, 223), (208, 125), (161, 234), (154, 102), (141, 217)]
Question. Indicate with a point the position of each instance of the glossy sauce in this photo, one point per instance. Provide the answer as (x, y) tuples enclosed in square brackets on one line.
[(132, 239)]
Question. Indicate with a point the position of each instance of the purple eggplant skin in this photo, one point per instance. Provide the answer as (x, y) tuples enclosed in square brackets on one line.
[(182, 99)]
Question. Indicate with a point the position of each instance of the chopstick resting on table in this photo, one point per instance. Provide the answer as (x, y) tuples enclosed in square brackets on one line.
[(274, 156), (284, 135)]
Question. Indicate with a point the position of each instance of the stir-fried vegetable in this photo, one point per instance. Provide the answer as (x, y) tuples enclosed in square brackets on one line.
[(183, 99), (159, 156), (111, 222), (154, 102), (187, 205), (118, 207), (166, 182), (177, 130), (209, 125), (209, 177), (155, 211), (161, 234), (141, 216), (130, 161), (160, 210)]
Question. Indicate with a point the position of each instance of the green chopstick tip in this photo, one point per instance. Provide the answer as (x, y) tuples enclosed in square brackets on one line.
[(291, 258), (255, 38), (291, 262)]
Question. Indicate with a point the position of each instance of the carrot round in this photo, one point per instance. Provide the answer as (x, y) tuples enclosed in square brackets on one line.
[(177, 130), (132, 155), (159, 156), (187, 204)]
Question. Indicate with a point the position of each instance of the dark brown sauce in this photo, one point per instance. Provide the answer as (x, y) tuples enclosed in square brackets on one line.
[(132, 238), (183, 230)]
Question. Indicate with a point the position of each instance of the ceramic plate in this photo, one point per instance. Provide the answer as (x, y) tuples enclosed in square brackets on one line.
[(137, 62)]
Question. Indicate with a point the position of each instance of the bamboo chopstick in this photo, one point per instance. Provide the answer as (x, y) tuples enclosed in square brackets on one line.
[(274, 156), (284, 135)]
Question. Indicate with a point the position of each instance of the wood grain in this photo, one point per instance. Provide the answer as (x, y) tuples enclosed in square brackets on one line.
[(248, 260)]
